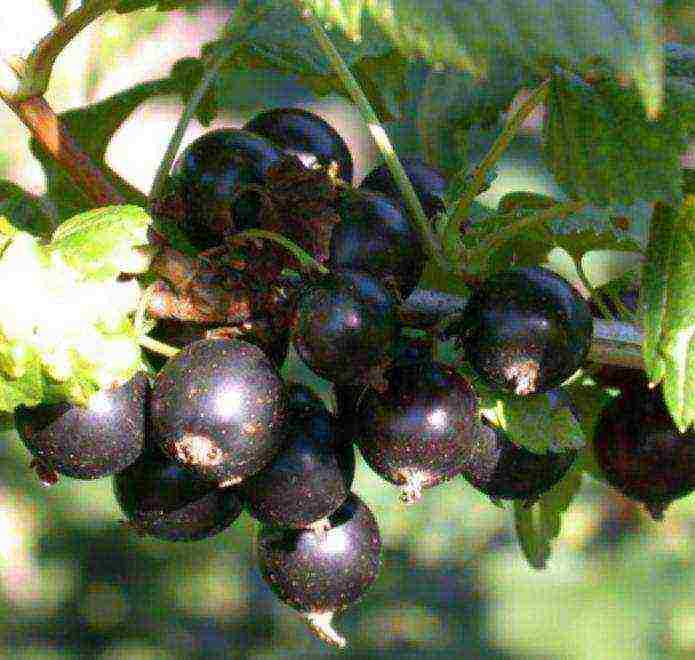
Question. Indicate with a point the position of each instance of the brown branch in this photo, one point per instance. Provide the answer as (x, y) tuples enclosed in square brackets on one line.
[(51, 133)]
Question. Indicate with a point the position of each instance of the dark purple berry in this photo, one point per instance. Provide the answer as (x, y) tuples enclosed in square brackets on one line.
[(161, 498), (344, 325), (504, 470), (303, 484), (307, 136), (302, 399), (640, 450), (429, 183), (417, 432), (321, 575), (525, 330), (211, 172), (375, 236), (88, 442), (218, 407)]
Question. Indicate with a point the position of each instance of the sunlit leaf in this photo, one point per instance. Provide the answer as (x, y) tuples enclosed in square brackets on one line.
[(668, 290), (100, 242)]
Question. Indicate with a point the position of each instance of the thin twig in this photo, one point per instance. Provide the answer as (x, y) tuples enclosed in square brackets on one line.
[(423, 225), (39, 64), (51, 133), (186, 116), (295, 250), (595, 296), (557, 211), (498, 148)]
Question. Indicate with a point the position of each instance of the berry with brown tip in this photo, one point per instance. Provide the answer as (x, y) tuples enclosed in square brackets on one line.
[(218, 407), (320, 575)]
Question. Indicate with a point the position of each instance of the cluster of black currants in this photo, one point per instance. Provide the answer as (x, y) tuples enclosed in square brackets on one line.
[(218, 431)]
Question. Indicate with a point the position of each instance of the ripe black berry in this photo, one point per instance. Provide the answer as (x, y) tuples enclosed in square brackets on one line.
[(429, 183), (416, 433), (640, 450), (321, 575), (375, 236), (163, 499), (504, 470), (88, 442), (306, 135), (525, 330), (218, 407), (303, 484), (344, 325), (211, 172)]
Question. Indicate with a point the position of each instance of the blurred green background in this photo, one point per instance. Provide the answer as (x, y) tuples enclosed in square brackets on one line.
[(75, 583)]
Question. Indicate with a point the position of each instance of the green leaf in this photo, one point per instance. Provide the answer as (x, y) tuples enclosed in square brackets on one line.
[(470, 35), (540, 423), (536, 527), (24, 390), (668, 289), (23, 210), (455, 107), (533, 544), (100, 243), (601, 146)]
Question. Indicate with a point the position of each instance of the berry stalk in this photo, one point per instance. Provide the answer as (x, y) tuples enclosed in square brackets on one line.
[(423, 225)]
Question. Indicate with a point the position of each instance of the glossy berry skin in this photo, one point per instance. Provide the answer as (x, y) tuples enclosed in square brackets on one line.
[(210, 174), (302, 399), (428, 182), (375, 236), (88, 442), (640, 450), (218, 407), (320, 575), (504, 470), (305, 135), (525, 330), (344, 325), (161, 498), (303, 484), (417, 432)]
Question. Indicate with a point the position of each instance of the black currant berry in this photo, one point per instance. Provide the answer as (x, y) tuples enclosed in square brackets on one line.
[(375, 236), (305, 135), (211, 172), (218, 407), (344, 325), (525, 330), (417, 432), (302, 399), (89, 442), (504, 470), (161, 498), (429, 183), (640, 450), (303, 484), (321, 575)]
